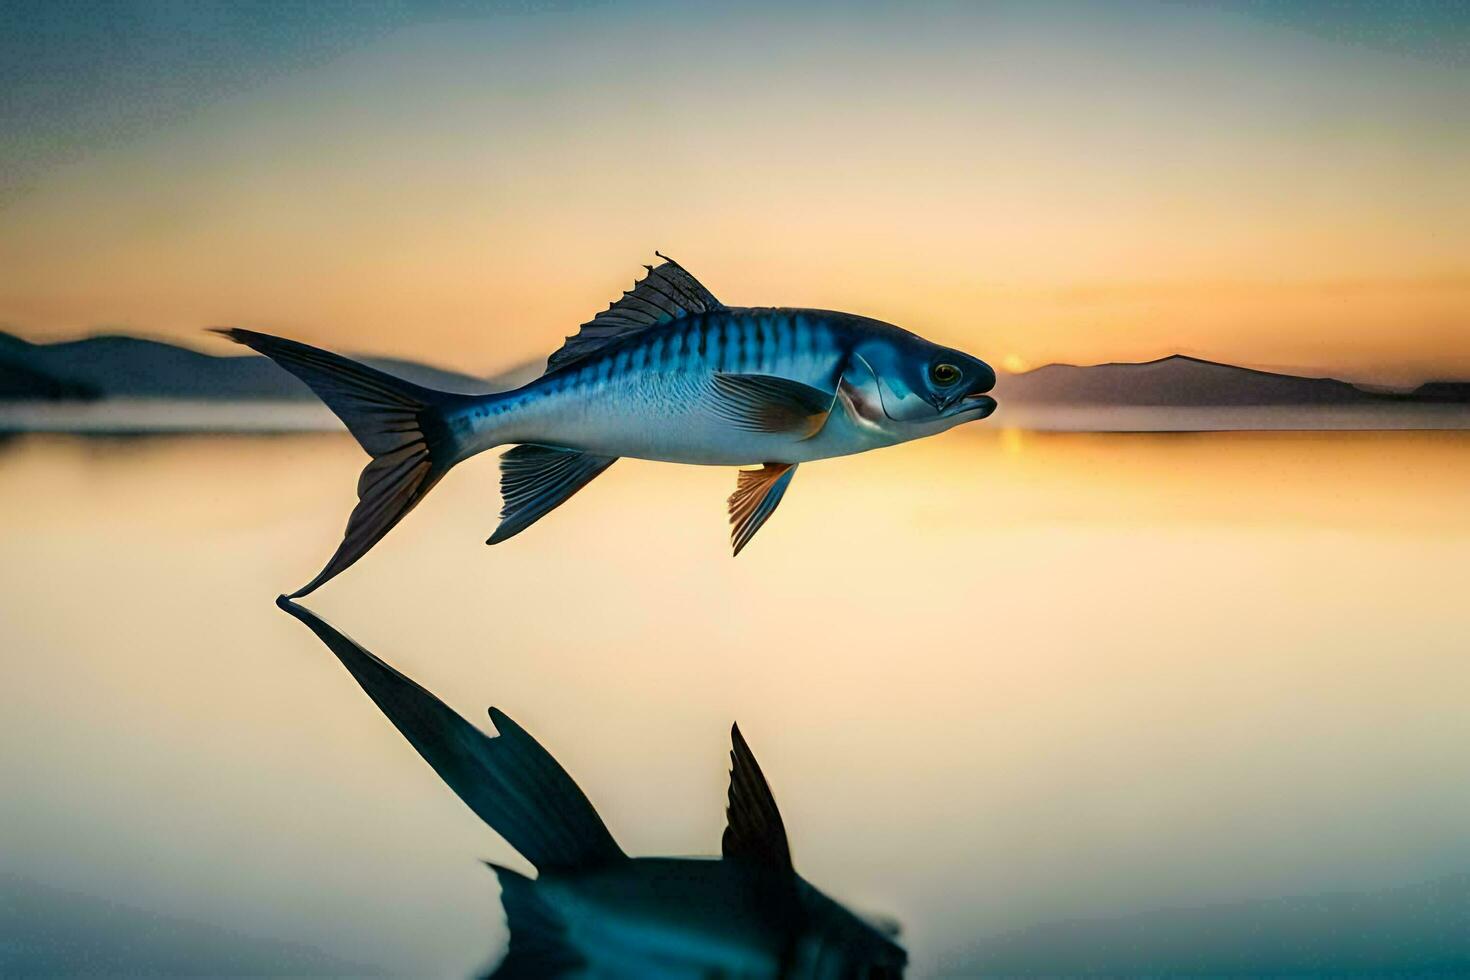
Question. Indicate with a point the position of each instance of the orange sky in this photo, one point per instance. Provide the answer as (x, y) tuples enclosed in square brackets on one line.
[(1137, 181)]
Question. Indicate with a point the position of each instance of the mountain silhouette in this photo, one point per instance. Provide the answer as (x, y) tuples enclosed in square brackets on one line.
[(117, 366), (1181, 381), (24, 382)]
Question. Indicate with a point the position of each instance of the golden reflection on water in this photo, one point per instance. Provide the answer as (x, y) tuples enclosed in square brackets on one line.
[(995, 678)]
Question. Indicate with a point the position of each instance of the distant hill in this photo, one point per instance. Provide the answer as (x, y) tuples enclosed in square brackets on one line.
[(131, 367), (1444, 391), (1419, 930), (21, 381), (1180, 381)]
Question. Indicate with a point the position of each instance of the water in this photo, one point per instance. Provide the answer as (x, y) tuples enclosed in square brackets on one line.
[(996, 679)]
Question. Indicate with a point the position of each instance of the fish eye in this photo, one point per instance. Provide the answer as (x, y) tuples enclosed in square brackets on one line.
[(944, 375)]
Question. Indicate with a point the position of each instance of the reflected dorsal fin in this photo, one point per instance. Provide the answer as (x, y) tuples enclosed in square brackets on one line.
[(666, 293), (753, 829)]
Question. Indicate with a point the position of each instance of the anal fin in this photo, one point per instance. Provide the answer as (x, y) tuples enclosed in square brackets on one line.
[(757, 492), (535, 480)]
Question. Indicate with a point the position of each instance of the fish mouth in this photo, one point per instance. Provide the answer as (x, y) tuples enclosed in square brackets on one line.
[(976, 402)]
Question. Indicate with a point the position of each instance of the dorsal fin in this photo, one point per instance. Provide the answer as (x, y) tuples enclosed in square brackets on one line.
[(666, 293), (753, 829)]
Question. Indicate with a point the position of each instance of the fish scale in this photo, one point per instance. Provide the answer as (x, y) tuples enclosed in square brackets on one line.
[(655, 378), (665, 373)]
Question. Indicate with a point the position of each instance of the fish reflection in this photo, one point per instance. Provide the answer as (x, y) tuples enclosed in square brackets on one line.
[(592, 911)]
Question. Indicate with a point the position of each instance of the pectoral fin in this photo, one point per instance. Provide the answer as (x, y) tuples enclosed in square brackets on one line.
[(757, 492), (535, 480), (766, 403)]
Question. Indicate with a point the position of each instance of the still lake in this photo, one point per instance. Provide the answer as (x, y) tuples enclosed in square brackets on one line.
[(997, 678)]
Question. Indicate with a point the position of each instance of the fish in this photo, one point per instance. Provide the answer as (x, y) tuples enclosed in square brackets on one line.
[(667, 373), (594, 911)]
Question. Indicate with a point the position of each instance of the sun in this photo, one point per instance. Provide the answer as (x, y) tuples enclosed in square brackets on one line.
[(1014, 363)]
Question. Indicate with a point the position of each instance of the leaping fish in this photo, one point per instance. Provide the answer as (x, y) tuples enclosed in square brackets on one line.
[(593, 911), (668, 373)]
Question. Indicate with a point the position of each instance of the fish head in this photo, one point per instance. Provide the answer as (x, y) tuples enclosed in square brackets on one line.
[(838, 944), (911, 388)]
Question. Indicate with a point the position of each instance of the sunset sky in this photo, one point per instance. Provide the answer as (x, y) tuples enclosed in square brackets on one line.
[(998, 679), (466, 183)]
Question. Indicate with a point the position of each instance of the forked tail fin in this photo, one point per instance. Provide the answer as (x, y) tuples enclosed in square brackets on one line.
[(401, 425)]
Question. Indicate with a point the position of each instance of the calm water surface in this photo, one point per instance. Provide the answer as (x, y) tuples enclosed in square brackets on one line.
[(995, 678)]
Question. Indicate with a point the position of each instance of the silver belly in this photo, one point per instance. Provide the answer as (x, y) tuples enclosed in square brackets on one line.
[(667, 418)]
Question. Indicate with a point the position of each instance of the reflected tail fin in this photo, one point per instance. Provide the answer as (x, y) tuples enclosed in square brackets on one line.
[(509, 781)]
